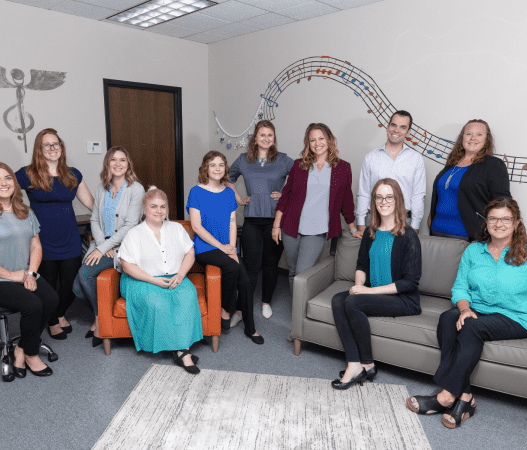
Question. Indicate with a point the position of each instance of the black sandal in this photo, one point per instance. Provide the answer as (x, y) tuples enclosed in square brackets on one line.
[(194, 370), (428, 404), (458, 413)]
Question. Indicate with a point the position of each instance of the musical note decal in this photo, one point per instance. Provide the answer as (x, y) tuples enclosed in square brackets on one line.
[(15, 117)]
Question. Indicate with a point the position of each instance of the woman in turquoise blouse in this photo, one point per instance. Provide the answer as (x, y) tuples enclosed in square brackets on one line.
[(490, 295)]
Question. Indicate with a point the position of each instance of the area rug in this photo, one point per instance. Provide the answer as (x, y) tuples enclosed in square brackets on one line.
[(170, 409)]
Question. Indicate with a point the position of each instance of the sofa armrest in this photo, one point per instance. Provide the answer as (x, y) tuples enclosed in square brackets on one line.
[(107, 293), (307, 285), (213, 295)]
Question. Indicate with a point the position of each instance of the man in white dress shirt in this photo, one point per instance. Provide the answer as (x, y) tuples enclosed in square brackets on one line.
[(398, 161)]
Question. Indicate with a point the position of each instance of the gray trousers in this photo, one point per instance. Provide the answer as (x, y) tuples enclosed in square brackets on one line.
[(302, 252), (85, 284)]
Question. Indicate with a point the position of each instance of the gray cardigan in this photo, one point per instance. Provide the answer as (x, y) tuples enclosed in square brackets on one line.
[(127, 215)]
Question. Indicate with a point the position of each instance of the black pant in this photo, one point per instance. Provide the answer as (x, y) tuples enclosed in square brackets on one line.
[(65, 270), (461, 351), (260, 251), (233, 276), (35, 308), (351, 318)]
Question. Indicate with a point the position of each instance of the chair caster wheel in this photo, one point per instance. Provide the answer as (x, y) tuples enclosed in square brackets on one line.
[(52, 357), (8, 378)]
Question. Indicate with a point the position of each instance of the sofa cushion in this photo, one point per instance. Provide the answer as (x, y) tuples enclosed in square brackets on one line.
[(346, 257)]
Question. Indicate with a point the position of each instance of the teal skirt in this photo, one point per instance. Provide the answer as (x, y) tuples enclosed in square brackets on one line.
[(162, 319)]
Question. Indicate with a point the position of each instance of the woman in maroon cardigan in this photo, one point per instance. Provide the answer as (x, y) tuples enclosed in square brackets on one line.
[(317, 191)]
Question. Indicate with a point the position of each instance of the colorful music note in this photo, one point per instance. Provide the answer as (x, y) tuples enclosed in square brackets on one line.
[(506, 160), (270, 101), (411, 137), (270, 86), (523, 168), (422, 137)]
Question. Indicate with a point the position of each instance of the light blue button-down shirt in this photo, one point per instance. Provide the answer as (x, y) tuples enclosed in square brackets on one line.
[(490, 286), (314, 218), (109, 210)]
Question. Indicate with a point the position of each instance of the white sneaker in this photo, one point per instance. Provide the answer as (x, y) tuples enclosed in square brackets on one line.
[(267, 312), (235, 319)]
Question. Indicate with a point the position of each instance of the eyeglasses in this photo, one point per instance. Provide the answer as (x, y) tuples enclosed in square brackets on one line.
[(504, 220), (388, 198), (55, 145)]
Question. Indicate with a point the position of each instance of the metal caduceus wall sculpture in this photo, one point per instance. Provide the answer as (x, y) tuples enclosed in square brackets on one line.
[(15, 118)]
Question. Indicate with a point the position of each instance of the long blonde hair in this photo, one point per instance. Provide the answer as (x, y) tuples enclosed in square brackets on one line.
[(20, 210), (308, 157), (106, 176)]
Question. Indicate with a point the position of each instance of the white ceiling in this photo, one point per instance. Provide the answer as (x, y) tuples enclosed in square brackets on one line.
[(227, 19)]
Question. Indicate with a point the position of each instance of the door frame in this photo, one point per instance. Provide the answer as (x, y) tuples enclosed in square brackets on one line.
[(178, 129)]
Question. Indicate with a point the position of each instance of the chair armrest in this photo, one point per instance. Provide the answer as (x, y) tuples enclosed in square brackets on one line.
[(213, 296), (307, 285), (107, 294)]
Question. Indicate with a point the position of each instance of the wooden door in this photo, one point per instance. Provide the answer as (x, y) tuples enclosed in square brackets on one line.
[(144, 122)]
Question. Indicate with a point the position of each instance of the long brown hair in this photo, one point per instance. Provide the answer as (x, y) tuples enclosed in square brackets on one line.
[(252, 148), (458, 152), (38, 170), (20, 210), (106, 177), (400, 209), (308, 157), (517, 254), (203, 176)]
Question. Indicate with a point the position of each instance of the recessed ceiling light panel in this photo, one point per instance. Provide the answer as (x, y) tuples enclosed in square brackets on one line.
[(158, 11)]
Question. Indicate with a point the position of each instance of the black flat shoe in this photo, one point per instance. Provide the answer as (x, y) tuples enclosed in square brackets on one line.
[(337, 384), (427, 404), (59, 337), (256, 339), (370, 373), (458, 413), (194, 370), (225, 324), (67, 329), (96, 341), (18, 372), (41, 373), (89, 334)]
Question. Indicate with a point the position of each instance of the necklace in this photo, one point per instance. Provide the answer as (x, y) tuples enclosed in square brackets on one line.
[(8, 209), (454, 171), (262, 161)]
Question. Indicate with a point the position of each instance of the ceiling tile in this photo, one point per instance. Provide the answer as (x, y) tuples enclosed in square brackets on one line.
[(168, 29), (269, 20), (40, 3), (233, 11), (235, 29), (274, 5), (118, 5), (84, 10), (307, 10), (205, 38), (200, 22), (345, 4)]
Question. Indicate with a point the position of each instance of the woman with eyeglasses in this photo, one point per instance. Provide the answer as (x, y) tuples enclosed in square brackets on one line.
[(386, 281), (471, 179), (490, 299), (317, 191), (51, 185)]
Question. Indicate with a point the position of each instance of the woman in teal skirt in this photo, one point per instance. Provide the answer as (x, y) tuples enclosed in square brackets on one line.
[(161, 303)]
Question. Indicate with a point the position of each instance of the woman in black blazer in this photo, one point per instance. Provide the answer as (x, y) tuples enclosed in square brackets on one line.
[(471, 179), (386, 281)]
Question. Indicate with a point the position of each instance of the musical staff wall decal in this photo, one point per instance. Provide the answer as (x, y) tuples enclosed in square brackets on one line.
[(377, 104)]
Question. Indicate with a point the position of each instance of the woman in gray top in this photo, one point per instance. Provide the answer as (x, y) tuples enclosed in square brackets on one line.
[(116, 210), (264, 171), (21, 288)]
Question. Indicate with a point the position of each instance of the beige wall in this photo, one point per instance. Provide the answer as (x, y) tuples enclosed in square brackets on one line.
[(33, 38), (445, 61)]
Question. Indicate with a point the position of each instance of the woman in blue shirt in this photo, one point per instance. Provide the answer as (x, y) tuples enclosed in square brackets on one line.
[(490, 295), (51, 187), (212, 208), (386, 281), (264, 171)]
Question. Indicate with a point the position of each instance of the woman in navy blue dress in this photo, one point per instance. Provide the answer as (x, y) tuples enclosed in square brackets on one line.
[(51, 187)]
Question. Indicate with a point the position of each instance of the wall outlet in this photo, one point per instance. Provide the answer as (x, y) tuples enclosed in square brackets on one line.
[(94, 147)]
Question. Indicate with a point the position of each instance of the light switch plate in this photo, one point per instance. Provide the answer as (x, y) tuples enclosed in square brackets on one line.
[(94, 147)]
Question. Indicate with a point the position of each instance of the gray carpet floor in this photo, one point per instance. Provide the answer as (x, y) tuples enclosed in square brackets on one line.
[(72, 408)]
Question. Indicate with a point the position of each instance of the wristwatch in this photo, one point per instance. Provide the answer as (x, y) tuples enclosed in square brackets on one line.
[(33, 274), (354, 230)]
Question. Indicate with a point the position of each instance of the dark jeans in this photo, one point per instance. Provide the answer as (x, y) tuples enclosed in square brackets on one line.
[(233, 277), (65, 271), (461, 351), (260, 251), (351, 314), (85, 285), (35, 309)]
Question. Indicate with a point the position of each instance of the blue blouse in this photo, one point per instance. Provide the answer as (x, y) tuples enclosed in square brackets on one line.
[(447, 219), (215, 209), (314, 218), (109, 208), (59, 233), (381, 259), (490, 286)]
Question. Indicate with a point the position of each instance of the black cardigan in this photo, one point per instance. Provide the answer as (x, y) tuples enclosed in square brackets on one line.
[(482, 183), (406, 265)]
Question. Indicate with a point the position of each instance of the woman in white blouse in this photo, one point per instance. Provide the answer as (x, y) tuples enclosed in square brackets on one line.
[(161, 303)]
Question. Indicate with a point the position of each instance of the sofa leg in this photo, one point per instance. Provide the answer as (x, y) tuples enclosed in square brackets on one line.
[(107, 346), (215, 342), (298, 343)]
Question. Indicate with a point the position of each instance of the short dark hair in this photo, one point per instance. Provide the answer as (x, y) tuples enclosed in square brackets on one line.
[(403, 113)]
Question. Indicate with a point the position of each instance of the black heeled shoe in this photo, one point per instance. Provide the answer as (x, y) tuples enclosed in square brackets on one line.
[(427, 404), (18, 372), (457, 412), (96, 341), (256, 339), (40, 373), (193, 370), (59, 337), (67, 329), (337, 384), (370, 373), (225, 324), (89, 334)]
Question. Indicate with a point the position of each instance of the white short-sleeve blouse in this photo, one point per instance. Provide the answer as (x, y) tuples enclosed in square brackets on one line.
[(140, 247)]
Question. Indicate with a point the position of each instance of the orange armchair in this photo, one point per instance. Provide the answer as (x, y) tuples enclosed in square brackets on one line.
[(112, 307)]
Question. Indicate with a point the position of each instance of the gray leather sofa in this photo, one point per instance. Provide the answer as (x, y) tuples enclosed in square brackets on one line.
[(411, 341)]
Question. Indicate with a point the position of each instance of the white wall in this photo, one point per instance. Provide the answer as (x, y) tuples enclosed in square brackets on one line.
[(445, 61), (34, 38)]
